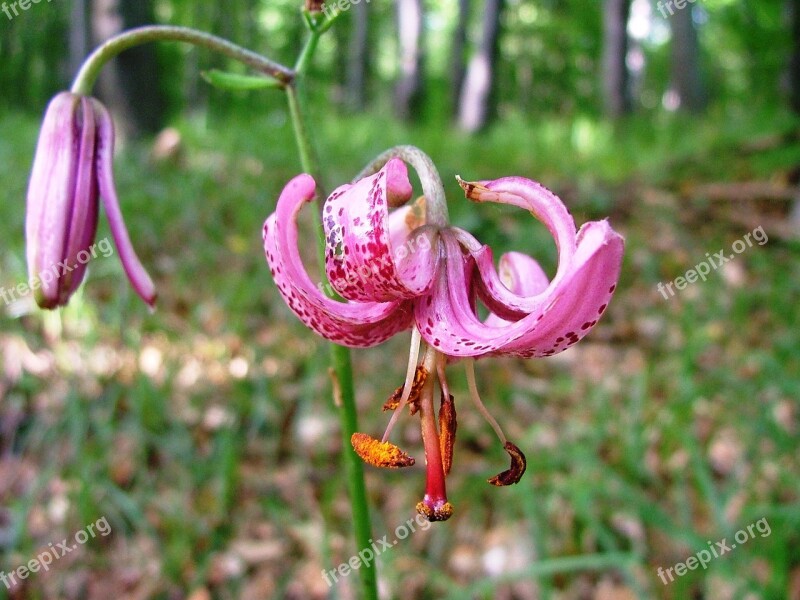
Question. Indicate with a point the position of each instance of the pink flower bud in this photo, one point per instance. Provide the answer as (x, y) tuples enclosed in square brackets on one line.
[(73, 164)]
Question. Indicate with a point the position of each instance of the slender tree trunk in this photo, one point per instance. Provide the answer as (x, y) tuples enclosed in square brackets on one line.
[(358, 57), (615, 50), (794, 61), (130, 84), (80, 34), (687, 80), (458, 61), (475, 107), (408, 91)]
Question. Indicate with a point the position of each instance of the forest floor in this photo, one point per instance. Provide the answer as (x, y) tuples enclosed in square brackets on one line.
[(203, 435)]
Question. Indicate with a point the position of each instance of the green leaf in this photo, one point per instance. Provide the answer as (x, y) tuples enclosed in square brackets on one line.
[(233, 81)]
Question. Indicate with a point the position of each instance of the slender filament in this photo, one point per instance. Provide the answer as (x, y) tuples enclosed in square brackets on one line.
[(473, 392), (441, 363), (413, 357)]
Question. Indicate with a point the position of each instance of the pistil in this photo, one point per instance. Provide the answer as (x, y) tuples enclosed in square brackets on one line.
[(434, 506)]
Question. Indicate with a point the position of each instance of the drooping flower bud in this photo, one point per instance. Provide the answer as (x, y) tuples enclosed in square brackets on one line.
[(73, 164)]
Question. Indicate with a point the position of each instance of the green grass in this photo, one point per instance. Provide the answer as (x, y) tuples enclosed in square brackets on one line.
[(205, 434)]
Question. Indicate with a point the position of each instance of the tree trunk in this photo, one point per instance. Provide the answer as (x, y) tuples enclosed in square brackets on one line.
[(475, 107), (458, 61), (357, 58), (794, 61), (615, 50), (130, 83), (687, 81), (408, 91), (80, 34)]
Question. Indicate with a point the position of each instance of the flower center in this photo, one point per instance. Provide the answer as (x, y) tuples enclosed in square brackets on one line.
[(438, 432)]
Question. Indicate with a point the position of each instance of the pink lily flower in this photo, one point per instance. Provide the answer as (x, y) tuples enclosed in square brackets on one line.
[(73, 164), (409, 268)]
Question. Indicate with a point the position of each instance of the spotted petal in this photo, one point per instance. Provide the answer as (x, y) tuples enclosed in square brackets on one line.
[(565, 312), (355, 324), (370, 255)]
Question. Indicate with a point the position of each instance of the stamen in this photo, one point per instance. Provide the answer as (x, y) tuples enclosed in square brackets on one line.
[(517, 469), (379, 454), (447, 430), (473, 392), (420, 375), (518, 462), (447, 416), (413, 357)]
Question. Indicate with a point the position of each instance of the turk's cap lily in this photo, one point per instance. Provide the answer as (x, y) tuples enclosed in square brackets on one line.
[(387, 263), (408, 268), (71, 169)]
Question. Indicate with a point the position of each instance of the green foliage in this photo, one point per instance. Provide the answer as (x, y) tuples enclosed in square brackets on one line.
[(549, 58)]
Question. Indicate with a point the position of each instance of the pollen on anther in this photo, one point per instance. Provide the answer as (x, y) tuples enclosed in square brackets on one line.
[(379, 454)]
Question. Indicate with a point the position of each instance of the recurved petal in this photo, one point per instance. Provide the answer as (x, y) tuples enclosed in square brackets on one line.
[(510, 303), (50, 195), (533, 197), (369, 256), (137, 275), (447, 320), (355, 324), (547, 208)]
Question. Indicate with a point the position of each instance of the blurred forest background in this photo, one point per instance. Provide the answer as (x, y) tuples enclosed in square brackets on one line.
[(205, 433)]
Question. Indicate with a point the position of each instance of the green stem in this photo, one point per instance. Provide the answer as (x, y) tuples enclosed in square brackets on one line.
[(308, 156), (344, 392), (308, 51), (86, 77), (436, 205)]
